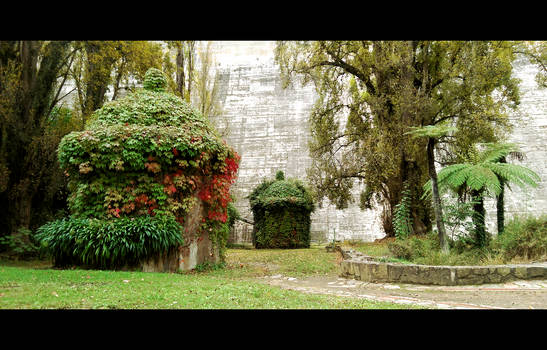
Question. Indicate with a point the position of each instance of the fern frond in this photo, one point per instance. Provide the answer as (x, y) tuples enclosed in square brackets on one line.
[(454, 175), (513, 173), (483, 178), (495, 151)]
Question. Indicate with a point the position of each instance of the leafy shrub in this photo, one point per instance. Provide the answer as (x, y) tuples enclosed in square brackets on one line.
[(524, 238), (413, 247), (457, 216), (401, 249), (154, 80), (526, 241), (426, 251), (108, 243), (23, 244)]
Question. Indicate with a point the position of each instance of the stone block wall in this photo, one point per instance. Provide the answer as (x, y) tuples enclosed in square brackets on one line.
[(361, 267)]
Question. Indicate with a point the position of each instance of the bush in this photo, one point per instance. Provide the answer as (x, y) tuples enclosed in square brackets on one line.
[(108, 243), (285, 228), (22, 244), (413, 247), (426, 251), (523, 238)]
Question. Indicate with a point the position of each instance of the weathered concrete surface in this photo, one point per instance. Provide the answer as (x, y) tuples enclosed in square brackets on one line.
[(362, 268), (530, 132), (268, 126), (197, 248)]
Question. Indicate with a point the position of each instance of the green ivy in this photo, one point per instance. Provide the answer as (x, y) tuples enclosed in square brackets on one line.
[(281, 210), (147, 154)]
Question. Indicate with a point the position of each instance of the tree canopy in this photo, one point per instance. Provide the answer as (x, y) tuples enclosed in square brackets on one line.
[(371, 92)]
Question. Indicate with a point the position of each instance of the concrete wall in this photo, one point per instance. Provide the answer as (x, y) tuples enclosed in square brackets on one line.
[(530, 132), (268, 127)]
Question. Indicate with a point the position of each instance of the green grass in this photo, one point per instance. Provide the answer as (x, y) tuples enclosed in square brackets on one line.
[(378, 249), (293, 262), (35, 285)]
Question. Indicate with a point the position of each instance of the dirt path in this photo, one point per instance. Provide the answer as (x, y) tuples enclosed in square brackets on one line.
[(530, 294)]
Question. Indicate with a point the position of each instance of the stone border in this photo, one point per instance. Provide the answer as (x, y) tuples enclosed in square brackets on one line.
[(358, 266)]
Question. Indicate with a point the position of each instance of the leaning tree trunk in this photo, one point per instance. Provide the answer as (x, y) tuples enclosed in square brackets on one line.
[(436, 197)]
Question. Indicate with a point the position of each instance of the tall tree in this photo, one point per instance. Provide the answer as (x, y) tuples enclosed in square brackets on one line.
[(133, 60), (103, 66), (185, 52), (536, 53), (30, 72), (370, 93), (206, 97)]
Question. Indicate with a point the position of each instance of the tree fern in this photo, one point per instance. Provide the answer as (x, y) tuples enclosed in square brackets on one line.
[(433, 133), (486, 174)]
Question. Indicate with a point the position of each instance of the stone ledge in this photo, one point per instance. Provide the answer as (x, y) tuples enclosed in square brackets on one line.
[(361, 267)]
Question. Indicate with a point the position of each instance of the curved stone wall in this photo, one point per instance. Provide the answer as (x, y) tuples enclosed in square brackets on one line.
[(361, 267)]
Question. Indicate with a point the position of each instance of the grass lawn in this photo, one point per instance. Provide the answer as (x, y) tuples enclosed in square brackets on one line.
[(36, 285)]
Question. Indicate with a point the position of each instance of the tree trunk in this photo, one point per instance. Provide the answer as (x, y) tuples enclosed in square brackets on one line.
[(479, 218), (180, 71), (500, 205), (436, 197), (98, 70), (191, 45), (29, 57), (118, 81)]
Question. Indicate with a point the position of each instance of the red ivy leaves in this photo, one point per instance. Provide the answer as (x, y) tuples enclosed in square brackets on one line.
[(216, 192), (170, 189), (213, 188)]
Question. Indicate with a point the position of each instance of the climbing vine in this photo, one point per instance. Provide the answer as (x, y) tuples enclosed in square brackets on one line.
[(281, 210), (149, 154)]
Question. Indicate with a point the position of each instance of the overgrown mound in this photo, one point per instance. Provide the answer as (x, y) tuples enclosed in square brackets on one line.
[(145, 155), (281, 210)]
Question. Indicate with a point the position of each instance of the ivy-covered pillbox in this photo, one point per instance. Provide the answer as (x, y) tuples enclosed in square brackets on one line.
[(148, 155), (281, 210)]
